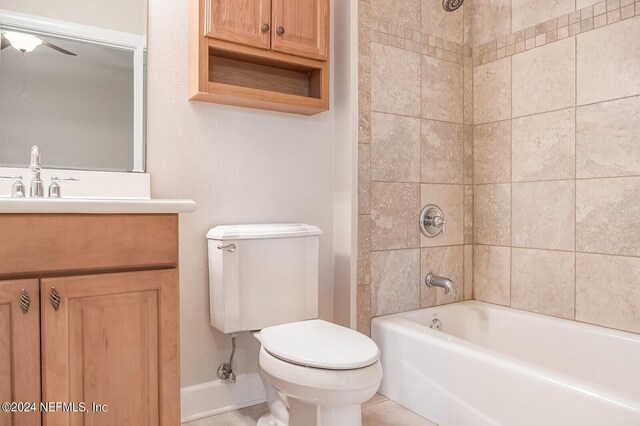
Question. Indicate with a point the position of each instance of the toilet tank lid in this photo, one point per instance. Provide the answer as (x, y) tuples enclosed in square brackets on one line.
[(262, 230)]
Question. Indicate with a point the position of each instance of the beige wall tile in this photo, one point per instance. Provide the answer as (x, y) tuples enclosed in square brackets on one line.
[(441, 152), (395, 211), (468, 153), (395, 80), (527, 13), (544, 146), (543, 215), (492, 91), (608, 64), (395, 148), (614, 304), (492, 152), (364, 107), (363, 299), (584, 3), (364, 249), (364, 178), (607, 216), (450, 198), (442, 90), (364, 42), (467, 21), (543, 281), (492, 214), (607, 139), (492, 19), (437, 22), (468, 214), (395, 281), (405, 13), (491, 274), (468, 272), (446, 262), (468, 95), (544, 78)]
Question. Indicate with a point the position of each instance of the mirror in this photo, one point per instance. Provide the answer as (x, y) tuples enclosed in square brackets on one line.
[(72, 80)]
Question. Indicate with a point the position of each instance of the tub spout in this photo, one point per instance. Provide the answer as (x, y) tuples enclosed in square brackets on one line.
[(432, 280)]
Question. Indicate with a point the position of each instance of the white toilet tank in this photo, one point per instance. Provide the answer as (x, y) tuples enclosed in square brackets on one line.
[(262, 275)]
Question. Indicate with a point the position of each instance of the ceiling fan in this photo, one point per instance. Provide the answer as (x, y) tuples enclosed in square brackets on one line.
[(25, 42)]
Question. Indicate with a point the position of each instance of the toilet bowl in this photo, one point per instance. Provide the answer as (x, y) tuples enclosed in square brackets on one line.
[(317, 374)]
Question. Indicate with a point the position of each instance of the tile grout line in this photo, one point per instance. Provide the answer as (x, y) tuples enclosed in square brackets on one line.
[(422, 106), (563, 108), (511, 118), (551, 180), (593, 253), (511, 183), (575, 176)]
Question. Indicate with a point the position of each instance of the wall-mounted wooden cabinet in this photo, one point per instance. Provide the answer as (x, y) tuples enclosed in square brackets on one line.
[(267, 54), (77, 331)]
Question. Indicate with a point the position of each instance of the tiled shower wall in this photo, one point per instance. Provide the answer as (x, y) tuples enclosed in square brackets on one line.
[(557, 158), (415, 148), (555, 164)]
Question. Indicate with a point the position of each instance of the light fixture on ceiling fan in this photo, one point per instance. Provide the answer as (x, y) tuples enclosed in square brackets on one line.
[(25, 42)]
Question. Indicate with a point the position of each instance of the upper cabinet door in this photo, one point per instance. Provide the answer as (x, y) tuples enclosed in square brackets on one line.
[(301, 27), (240, 21), (19, 349)]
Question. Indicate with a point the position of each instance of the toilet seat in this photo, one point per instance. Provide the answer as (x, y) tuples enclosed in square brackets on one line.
[(320, 344)]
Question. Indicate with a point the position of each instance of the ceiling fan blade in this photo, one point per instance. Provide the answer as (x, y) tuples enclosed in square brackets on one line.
[(4, 43), (58, 48)]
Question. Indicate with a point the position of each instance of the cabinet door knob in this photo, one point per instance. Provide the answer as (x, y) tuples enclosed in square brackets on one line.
[(280, 30), (54, 298), (265, 27), (24, 300)]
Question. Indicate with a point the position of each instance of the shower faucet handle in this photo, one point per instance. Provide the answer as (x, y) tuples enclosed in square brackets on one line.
[(432, 222), (439, 222)]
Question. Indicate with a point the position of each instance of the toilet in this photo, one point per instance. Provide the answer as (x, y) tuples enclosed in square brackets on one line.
[(264, 279)]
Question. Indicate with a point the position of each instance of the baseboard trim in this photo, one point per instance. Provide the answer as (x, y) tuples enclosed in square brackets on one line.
[(209, 399)]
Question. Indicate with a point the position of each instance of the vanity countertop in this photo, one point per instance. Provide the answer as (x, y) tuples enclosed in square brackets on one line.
[(95, 206)]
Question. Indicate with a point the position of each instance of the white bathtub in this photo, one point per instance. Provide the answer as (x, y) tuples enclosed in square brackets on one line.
[(491, 365)]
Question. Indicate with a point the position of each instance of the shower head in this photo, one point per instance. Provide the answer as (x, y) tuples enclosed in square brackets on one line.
[(451, 5)]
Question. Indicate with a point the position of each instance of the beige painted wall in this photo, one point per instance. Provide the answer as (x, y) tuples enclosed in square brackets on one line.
[(557, 163), (240, 166), (120, 15)]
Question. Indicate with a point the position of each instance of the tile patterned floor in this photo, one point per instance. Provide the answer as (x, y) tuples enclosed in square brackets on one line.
[(378, 411)]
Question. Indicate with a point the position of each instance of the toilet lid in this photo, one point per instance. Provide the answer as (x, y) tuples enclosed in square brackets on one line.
[(320, 344)]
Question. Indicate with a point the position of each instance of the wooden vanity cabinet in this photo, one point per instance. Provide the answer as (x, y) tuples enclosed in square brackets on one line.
[(91, 334)]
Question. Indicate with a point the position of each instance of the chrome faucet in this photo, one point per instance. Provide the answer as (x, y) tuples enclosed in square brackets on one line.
[(37, 188), (432, 280)]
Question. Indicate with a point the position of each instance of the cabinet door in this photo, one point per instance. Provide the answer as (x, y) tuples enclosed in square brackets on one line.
[(112, 341), (301, 27), (19, 349), (240, 21)]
